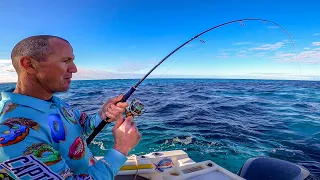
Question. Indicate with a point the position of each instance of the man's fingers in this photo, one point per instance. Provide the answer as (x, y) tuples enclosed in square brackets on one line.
[(109, 115), (129, 119), (116, 99), (133, 127), (139, 135), (117, 109), (115, 112), (122, 104), (119, 122)]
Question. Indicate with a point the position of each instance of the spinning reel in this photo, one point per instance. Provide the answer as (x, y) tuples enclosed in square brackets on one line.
[(135, 108)]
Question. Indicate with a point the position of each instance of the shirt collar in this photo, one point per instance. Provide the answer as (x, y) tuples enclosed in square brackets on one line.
[(29, 101)]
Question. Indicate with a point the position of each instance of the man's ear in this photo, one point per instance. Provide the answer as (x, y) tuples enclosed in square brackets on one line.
[(28, 64)]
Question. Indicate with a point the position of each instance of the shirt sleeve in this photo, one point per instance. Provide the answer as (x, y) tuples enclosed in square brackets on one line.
[(35, 158), (27, 152), (28, 166), (87, 122)]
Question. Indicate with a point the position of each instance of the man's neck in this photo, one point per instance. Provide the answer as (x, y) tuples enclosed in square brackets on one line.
[(32, 88)]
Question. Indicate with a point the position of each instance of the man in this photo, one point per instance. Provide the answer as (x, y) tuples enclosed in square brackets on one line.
[(41, 136)]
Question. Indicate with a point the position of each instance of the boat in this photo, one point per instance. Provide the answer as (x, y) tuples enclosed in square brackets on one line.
[(177, 165), (174, 165)]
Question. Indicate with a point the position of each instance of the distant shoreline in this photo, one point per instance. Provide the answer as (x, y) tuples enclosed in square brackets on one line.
[(195, 78)]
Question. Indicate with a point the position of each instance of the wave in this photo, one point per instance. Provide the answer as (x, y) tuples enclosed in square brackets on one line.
[(227, 121)]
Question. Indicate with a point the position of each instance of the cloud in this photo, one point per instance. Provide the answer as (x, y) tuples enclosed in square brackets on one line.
[(242, 55), (316, 34), (267, 47), (8, 77), (93, 74), (6, 66), (283, 55), (315, 43), (285, 76), (7, 72), (260, 54), (9, 69), (5, 61), (128, 70), (208, 55), (310, 57), (241, 43), (82, 74), (131, 66), (222, 55), (306, 48)]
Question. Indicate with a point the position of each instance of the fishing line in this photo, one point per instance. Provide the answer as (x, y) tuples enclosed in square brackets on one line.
[(205, 42), (201, 41), (133, 88), (177, 62)]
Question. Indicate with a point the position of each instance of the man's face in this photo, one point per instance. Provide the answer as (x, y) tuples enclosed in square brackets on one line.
[(55, 72)]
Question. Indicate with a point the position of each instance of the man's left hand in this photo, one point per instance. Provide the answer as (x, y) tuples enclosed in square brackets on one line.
[(112, 109)]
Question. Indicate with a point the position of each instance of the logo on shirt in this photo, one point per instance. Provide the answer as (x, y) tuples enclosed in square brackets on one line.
[(83, 119), (66, 173), (58, 131), (68, 114), (77, 149), (8, 107), (44, 153), (92, 123), (29, 167), (14, 130)]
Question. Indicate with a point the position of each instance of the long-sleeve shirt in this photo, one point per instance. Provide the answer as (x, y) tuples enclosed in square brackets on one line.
[(47, 140)]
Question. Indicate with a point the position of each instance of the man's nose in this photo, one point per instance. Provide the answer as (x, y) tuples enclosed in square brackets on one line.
[(72, 68)]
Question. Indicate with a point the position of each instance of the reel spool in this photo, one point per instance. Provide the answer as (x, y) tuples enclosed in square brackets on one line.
[(135, 108)]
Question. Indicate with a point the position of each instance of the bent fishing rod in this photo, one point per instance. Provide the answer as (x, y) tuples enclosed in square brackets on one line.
[(133, 88)]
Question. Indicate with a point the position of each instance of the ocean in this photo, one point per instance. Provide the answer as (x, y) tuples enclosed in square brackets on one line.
[(226, 121)]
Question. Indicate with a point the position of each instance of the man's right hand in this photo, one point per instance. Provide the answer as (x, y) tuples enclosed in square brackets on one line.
[(126, 135)]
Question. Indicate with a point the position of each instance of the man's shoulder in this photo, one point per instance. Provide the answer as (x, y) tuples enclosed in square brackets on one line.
[(61, 102), (7, 106), (11, 109)]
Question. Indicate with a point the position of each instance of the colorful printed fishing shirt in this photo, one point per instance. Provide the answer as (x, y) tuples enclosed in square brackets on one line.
[(46, 140)]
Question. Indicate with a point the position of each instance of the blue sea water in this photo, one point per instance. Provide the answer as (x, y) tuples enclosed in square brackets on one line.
[(226, 121)]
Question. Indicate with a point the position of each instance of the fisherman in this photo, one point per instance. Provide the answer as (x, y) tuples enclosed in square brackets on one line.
[(43, 137)]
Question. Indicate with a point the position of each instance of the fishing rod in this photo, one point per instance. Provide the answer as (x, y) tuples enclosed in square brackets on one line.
[(133, 88)]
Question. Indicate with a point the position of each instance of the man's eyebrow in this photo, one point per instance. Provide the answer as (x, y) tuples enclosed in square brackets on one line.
[(69, 58)]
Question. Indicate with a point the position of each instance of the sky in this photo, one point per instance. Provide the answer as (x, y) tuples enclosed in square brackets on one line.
[(125, 39)]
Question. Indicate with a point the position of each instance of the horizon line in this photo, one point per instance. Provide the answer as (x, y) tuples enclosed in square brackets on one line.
[(209, 78)]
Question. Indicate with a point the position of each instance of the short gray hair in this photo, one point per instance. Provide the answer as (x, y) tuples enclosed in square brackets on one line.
[(36, 47)]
